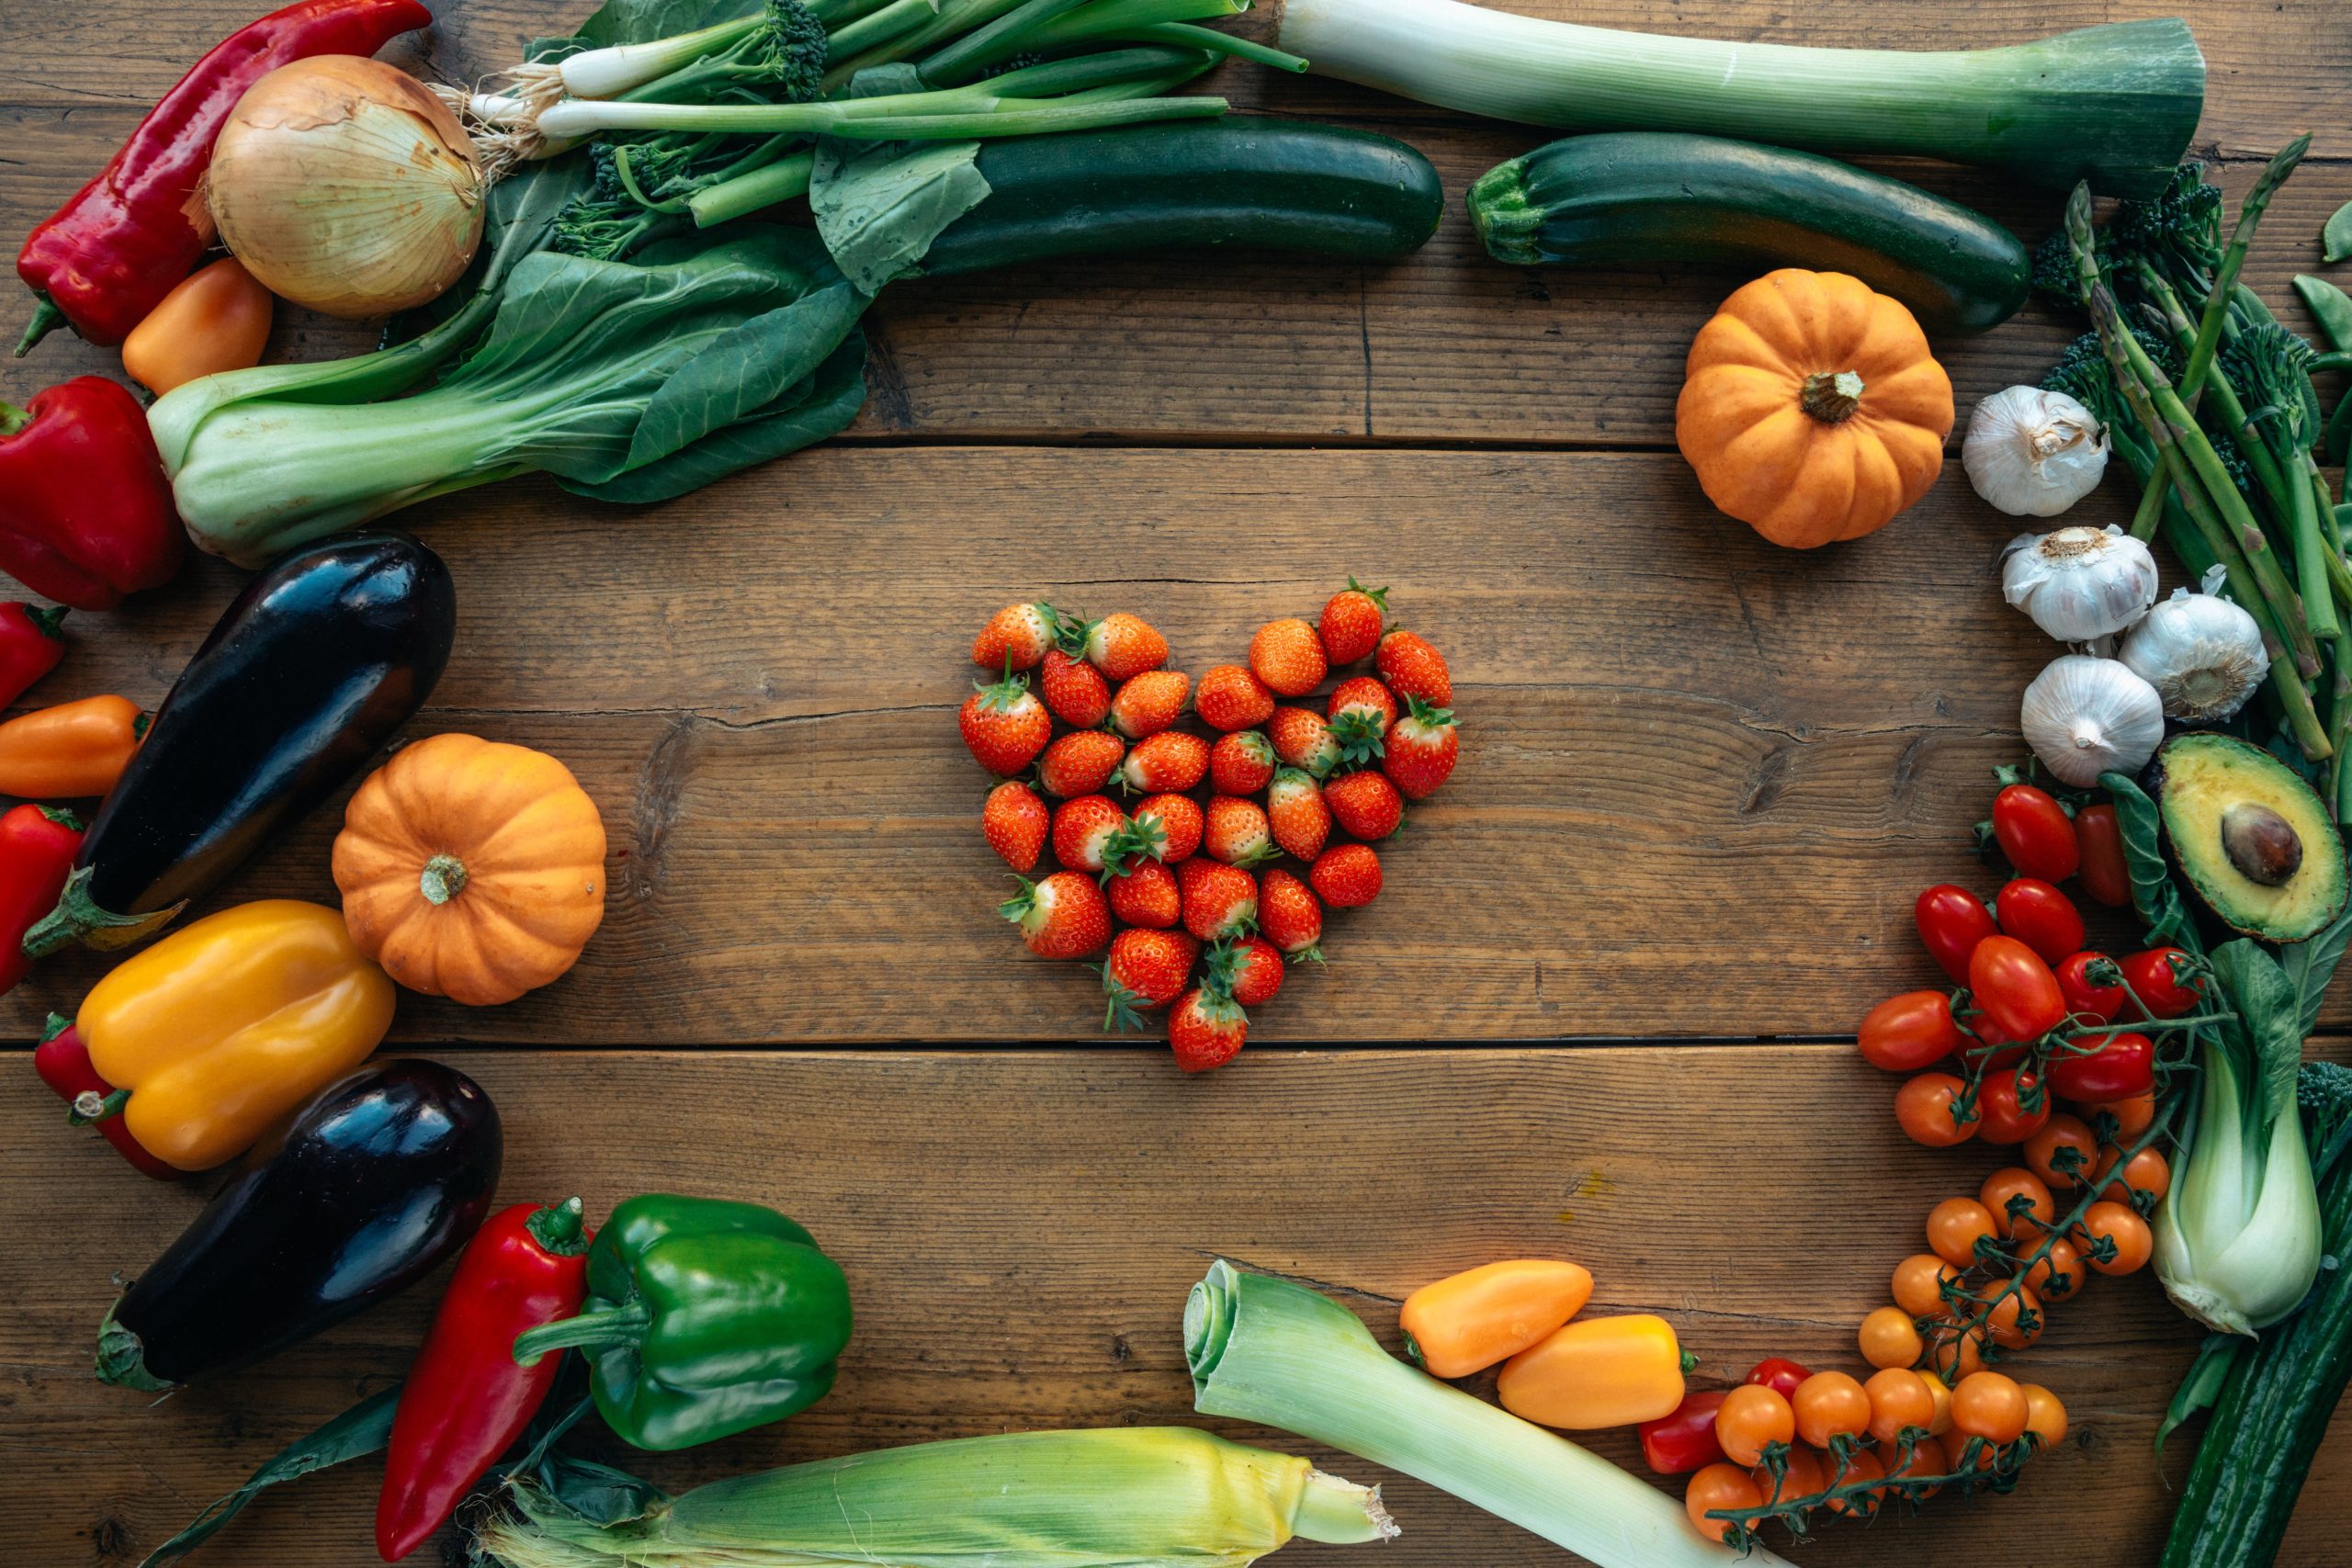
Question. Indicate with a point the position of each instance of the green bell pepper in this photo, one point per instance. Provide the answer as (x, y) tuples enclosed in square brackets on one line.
[(703, 1318)]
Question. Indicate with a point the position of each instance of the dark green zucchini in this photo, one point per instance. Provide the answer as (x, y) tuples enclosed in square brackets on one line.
[(1636, 198), (1241, 182)]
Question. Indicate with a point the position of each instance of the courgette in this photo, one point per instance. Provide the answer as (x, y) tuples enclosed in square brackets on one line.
[(1634, 199), (1242, 182)]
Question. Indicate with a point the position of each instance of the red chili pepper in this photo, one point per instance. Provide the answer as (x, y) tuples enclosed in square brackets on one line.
[(111, 254), (466, 1400), (85, 512), (30, 645), (1780, 1374), (1684, 1441), (37, 844), (64, 1064)]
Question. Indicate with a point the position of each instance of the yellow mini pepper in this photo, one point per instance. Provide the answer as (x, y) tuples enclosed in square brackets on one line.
[(227, 1024), (1466, 1322), (1596, 1373)]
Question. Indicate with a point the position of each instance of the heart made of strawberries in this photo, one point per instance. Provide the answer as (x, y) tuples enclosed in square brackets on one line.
[(1217, 783)]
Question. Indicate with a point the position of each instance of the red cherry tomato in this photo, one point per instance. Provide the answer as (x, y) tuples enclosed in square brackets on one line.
[(2105, 874), (2001, 1115), (1951, 922), (2039, 916), (2016, 988), (1684, 1441), (1778, 1374), (2085, 996), (2119, 1066), (2035, 833), (1992, 1047), (1914, 1030), (2150, 976)]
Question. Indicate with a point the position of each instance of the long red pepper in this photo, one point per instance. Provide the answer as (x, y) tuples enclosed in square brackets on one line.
[(466, 1401), (30, 645), (64, 1064), (111, 254), (37, 844)]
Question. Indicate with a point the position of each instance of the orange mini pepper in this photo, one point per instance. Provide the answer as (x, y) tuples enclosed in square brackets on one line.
[(217, 319), (1468, 1322), (71, 752), (225, 1025), (1596, 1373)]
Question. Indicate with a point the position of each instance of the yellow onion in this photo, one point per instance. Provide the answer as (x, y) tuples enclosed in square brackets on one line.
[(345, 186)]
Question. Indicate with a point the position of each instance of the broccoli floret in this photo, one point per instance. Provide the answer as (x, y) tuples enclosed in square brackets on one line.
[(2324, 1090), (601, 230), (2270, 368), (656, 164), (2179, 230), (791, 51), (2055, 275)]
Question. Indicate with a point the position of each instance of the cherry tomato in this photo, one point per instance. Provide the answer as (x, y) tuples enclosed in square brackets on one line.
[(1920, 1281), (1923, 1107), (1954, 1351), (1951, 922), (2124, 1229), (1801, 1476), (1914, 1030), (1989, 1405), (2001, 1115), (1684, 1441), (1830, 1404), (1898, 1399), (2106, 875), (1889, 1338), (1750, 1418), (2058, 1274), (1928, 1458), (2133, 1116), (2016, 1319), (1860, 1465), (2116, 1067), (2063, 1153), (2044, 1416), (2039, 916), (2151, 976), (1955, 1226), (2020, 1202), (1719, 1486), (2035, 833), (1779, 1374), (1941, 1392), (2016, 988), (2146, 1171), (2085, 997)]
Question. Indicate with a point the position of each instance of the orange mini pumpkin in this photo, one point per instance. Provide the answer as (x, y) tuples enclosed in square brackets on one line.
[(1812, 409), (472, 869)]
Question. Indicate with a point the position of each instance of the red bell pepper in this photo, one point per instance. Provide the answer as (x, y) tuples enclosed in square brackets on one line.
[(1684, 1441), (64, 1064), (127, 239), (85, 512), (466, 1400), (37, 844), (30, 645)]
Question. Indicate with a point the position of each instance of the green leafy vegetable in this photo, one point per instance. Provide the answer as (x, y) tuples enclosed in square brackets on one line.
[(2335, 239), (2154, 893), (880, 204), (363, 1429)]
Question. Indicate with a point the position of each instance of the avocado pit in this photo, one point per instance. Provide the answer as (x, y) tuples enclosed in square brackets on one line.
[(2261, 844)]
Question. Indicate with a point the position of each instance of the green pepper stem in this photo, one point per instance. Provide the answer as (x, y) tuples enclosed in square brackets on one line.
[(559, 1228), (589, 1331), (12, 419), (47, 319)]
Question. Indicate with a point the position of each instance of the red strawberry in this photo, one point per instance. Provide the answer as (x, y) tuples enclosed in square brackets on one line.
[(1231, 698), (1146, 971), (1091, 834), (1361, 712), (1349, 625), (1016, 636), (1413, 669), (1219, 900), (1170, 760), (1241, 763), (1081, 762), (1347, 877), (1301, 740), (1422, 747), (1061, 916), (1016, 823), (1295, 809), (1147, 896), (1366, 804), (1206, 1031), (1288, 657), (1237, 832), (1291, 916), (1168, 827), (1074, 689), (1249, 971), (1149, 703), (1122, 646), (1005, 726)]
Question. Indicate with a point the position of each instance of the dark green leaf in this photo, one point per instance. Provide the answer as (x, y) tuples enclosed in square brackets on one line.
[(640, 21), (880, 204), (598, 1493), (2330, 307), (2207, 1376), (2270, 1022), (2311, 964), (2335, 239), (2153, 894), (364, 1429)]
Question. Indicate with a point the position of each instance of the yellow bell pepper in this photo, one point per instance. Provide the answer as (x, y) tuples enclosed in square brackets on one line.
[(1596, 1373), (227, 1024)]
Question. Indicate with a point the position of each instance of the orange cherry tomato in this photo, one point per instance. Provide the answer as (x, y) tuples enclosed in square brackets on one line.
[(1941, 1392), (1898, 1399), (2020, 1202), (1923, 1107), (1889, 1338), (2062, 1154), (2058, 1273), (2133, 1116), (1918, 1284), (1928, 1458), (2131, 1239), (2001, 1114), (1955, 1226), (1719, 1486), (1750, 1418), (1954, 1353), (2146, 1171), (2017, 1319), (1831, 1404), (1990, 1405), (1860, 1465), (1801, 1476), (2044, 1416), (1914, 1030)]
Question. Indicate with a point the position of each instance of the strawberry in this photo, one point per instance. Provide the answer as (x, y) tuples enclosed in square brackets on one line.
[(1288, 657), (1290, 915), (1361, 712), (1004, 724), (1016, 636), (1237, 832), (1015, 821), (1349, 625), (1413, 669), (1219, 900), (1091, 834), (1081, 762), (1147, 896), (1061, 916), (1122, 646), (1146, 971), (1149, 703), (1422, 747), (1231, 698), (1074, 689), (1249, 971), (1168, 827), (1366, 804), (1170, 760), (1241, 763), (1206, 1031), (1347, 877), (1301, 740), (1295, 809)]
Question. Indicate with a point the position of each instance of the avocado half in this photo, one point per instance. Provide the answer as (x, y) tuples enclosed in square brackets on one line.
[(2250, 836)]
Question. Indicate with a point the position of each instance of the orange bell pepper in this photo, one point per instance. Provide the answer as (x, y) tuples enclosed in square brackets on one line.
[(217, 319), (1596, 1373), (225, 1025), (1468, 1322), (71, 752)]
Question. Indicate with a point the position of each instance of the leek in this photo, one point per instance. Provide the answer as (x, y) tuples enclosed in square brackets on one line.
[(1267, 1351), (2115, 105)]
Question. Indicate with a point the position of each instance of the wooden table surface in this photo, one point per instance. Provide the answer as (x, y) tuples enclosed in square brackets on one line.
[(1602, 1010)]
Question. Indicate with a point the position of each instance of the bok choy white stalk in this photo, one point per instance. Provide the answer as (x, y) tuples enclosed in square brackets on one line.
[(1279, 1354)]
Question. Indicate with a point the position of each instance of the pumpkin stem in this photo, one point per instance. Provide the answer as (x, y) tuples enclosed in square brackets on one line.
[(443, 879), (1830, 399)]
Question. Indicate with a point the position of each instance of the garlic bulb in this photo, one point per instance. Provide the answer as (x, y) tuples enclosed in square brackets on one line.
[(2084, 716), (2079, 583), (2202, 654), (2031, 453)]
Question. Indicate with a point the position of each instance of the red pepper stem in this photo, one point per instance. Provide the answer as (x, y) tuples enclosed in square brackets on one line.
[(559, 1230), (590, 1330), (12, 419), (47, 319)]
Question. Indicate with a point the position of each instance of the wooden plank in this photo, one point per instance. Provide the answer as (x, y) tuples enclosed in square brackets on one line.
[(1020, 1231)]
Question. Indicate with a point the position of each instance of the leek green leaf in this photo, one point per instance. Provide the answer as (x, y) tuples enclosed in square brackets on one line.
[(2335, 240)]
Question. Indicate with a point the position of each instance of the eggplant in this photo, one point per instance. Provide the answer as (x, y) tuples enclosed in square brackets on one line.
[(307, 674), (361, 1193)]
